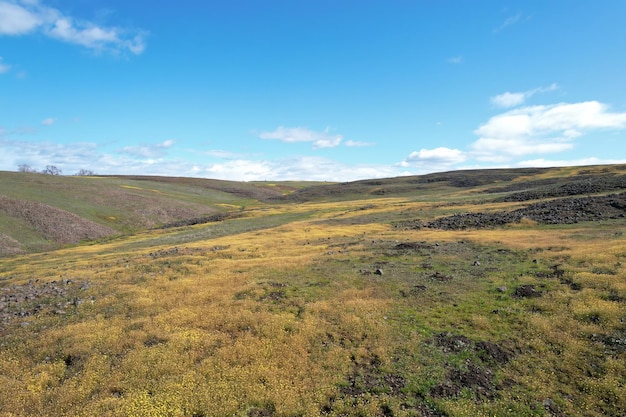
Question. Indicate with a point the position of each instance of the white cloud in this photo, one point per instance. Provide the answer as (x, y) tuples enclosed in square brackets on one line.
[(49, 121), (509, 99), (4, 68), (40, 154), (510, 21), (302, 134), (456, 59), (24, 130), (302, 168), (17, 20), (354, 143), (222, 154), (70, 158), (25, 17), (546, 163), (148, 150), (541, 129), (434, 159)]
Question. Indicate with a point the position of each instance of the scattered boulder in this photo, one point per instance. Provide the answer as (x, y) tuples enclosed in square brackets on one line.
[(33, 298), (526, 291), (559, 211)]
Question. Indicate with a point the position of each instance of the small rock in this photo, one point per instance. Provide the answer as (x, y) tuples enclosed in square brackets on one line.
[(502, 289), (476, 263), (378, 271)]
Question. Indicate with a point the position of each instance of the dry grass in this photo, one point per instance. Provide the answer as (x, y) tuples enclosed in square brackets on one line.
[(332, 312)]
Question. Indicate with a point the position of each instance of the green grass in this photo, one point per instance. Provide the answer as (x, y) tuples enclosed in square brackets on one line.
[(323, 308)]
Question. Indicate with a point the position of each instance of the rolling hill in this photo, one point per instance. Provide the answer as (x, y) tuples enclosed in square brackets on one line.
[(466, 293)]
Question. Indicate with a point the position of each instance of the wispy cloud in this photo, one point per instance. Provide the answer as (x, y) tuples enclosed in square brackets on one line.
[(455, 60), (509, 21), (27, 16), (40, 154), (305, 168), (301, 134), (24, 130), (509, 99), (157, 150), (70, 158), (354, 143), (49, 121), (4, 68), (222, 154), (541, 129)]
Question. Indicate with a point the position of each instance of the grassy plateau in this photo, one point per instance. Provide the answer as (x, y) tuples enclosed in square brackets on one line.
[(468, 293)]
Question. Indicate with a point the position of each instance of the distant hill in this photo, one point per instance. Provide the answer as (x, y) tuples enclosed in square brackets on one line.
[(42, 212)]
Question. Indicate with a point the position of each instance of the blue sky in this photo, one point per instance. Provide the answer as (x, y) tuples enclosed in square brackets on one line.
[(310, 90)]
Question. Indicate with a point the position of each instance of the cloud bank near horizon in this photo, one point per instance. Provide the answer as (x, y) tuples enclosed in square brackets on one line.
[(520, 137), (521, 132)]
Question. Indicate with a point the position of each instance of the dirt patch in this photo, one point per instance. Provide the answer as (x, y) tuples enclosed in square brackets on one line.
[(526, 291), (413, 246), (440, 277), (52, 223), (476, 378), (415, 290), (10, 246), (368, 377), (450, 343), (476, 373)]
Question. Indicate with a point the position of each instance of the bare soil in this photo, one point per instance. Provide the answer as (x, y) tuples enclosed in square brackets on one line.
[(54, 224)]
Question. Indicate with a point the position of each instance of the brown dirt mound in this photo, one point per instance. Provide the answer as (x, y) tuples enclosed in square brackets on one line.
[(52, 223), (10, 246)]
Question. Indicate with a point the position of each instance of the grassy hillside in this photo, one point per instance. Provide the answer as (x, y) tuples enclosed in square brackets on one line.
[(477, 294), (34, 208)]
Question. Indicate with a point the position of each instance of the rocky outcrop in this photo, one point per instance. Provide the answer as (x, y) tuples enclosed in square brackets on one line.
[(561, 211)]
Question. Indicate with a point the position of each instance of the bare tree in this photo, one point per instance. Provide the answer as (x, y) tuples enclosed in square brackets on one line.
[(85, 173), (52, 170), (25, 168)]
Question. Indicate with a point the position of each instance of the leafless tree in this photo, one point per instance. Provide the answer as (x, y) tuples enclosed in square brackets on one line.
[(52, 170), (85, 172), (25, 168)]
